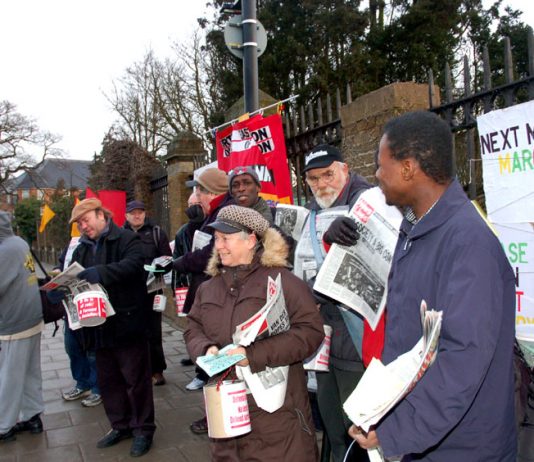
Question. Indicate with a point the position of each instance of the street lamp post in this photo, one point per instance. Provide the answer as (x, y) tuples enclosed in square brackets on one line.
[(250, 56)]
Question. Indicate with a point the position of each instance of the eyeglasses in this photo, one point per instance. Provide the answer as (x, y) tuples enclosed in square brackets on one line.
[(327, 178)]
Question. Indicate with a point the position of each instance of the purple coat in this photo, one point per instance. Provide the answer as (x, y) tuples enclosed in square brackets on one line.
[(462, 409)]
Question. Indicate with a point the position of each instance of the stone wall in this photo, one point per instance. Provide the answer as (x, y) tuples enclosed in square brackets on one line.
[(363, 119), (180, 155)]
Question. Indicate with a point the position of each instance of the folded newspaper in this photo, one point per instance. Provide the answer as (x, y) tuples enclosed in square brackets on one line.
[(357, 276), (291, 219), (68, 282), (382, 387), (268, 386), (64, 279)]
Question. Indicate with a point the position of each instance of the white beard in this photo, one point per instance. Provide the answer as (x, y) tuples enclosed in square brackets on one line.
[(326, 200)]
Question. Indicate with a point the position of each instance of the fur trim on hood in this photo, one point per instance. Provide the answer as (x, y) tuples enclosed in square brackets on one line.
[(274, 254)]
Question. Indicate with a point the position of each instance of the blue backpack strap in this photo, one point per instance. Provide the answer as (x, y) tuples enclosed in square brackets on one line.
[(313, 237), (354, 324)]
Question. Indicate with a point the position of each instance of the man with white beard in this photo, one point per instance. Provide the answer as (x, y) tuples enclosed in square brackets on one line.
[(335, 190)]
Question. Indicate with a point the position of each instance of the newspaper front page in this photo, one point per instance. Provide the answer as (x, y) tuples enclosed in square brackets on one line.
[(290, 219), (382, 387), (306, 266), (357, 276)]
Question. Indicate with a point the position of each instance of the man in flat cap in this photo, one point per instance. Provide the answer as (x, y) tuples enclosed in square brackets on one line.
[(335, 190), (113, 257), (155, 244)]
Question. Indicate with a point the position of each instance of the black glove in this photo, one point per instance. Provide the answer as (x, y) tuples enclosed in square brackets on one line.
[(166, 268), (178, 265), (90, 275), (55, 296), (195, 213), (342, 231)]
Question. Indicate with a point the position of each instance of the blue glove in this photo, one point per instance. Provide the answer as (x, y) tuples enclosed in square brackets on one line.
[(90, 275), (55, 296)]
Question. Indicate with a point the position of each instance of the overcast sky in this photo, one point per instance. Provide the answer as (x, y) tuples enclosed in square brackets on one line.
[(59, 56)]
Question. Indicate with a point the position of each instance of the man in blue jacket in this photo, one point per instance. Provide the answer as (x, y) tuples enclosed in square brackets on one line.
[(462, 409)]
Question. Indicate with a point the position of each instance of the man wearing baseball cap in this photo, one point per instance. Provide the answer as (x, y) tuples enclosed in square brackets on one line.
[(113, 258), (335, 190), (245, 187)]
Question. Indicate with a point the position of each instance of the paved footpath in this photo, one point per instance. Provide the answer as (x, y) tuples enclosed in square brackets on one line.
[(71, 431)]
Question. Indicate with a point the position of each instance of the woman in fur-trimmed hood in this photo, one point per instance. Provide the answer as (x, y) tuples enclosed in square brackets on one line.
[(246, 252)]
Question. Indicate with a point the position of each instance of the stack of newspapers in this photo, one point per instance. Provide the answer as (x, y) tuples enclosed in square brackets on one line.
[(382, 387)]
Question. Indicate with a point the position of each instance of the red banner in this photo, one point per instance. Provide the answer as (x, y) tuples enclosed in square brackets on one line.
[(114, 201), (258, 142)]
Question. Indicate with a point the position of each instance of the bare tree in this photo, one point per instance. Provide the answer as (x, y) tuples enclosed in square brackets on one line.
[(156, 99), (23, 145)]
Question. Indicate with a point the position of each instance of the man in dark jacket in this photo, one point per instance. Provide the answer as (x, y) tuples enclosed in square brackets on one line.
[(211, 189), (245, 187), (462, 409), (113, 257), (155, 244), (335, 191)]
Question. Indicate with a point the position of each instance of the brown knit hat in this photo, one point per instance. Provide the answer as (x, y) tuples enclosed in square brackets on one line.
[(83, 207), (213, 180), (233, 219)]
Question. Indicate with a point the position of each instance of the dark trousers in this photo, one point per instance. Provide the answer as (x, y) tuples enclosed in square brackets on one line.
[(157, 357), (125, 381), (333, 388)]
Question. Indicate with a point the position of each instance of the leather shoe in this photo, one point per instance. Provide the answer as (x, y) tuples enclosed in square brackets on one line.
[(140, 445), (34, 425), (200, 426), (113, 437), (7, 436)]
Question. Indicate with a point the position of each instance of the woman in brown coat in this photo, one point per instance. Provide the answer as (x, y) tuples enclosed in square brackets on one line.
[(246, 252)]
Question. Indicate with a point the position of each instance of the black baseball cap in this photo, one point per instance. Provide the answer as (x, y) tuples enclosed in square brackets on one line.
[(321, 156)]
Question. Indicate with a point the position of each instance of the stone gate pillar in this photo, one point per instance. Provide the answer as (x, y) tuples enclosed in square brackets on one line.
[(180, 156), (363, 119)]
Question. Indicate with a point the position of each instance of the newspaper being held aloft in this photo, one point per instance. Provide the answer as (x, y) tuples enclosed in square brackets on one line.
[(290, 219), (200, 240), (213, 364), (382, 387), (268, 386), (357, 276)]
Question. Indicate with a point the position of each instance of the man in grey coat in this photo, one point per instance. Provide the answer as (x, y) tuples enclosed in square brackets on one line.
[(21, 323)]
